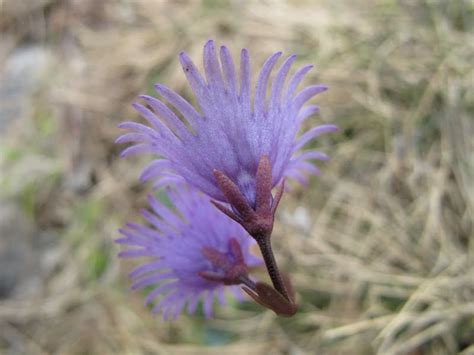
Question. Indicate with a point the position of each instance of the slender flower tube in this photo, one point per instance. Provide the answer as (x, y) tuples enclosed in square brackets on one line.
[(229, 133), (193, 253)]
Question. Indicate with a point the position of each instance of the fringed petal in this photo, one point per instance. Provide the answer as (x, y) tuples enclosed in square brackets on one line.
[(165, 213), (134, 253), (262, 83), (313, 133), (207, 304), (154, 169), (306, 112), (143, 148), (181, 105), (154, 121), (195, 80), (296, 80), (141, 128), (306, 94), (193, 302), (172, 121), (279, 81), (245, 82), (212, 67), (151, 280), (159, 290), (167, 180), (312, 155), (133, 137), (146, 268), (229, 71)]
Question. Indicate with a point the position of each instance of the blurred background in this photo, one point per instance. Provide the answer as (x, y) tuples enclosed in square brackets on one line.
[(380, 247)]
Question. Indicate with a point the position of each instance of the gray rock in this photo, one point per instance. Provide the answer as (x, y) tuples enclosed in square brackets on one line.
[(18, 79)]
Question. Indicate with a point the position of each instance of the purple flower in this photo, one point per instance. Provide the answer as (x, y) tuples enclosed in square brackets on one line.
[(193, 253), (228, 133)]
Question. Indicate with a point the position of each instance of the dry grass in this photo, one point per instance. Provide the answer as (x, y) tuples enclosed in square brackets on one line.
[(380, 247)]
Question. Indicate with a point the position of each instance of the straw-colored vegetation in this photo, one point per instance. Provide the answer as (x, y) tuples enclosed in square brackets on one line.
[(380, 247)]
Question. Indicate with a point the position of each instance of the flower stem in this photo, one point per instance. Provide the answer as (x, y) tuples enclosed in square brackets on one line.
[(272, 267)]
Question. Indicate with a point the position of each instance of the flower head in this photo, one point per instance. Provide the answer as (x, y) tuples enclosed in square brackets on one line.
[(193, 253), (230, 132)]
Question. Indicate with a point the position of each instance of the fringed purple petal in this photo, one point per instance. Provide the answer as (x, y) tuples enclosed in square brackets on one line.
[(134, 240), (306, 94), (261, 87), (167, 180), (155, 221), (172, 121), (180, 104), (154, 169), (295, 81), (245, 82), (306, 112), (229, 70), (163, 212), (305, 166), (178, 307), (132, 137), (312, 155), (137, 149), (141, 128), (207, 306), (159, 290), (171, 305), (137, 229), (146, 268), (154, 121), (279, 81), (313, 133), (212, 67), (221, 296), (298, 176), (193, 302), (133, 253), (151, 280), (195, 79)]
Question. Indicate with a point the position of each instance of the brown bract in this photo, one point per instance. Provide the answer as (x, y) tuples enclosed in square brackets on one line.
[(258, 222), (232, 272), (268, 297)]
